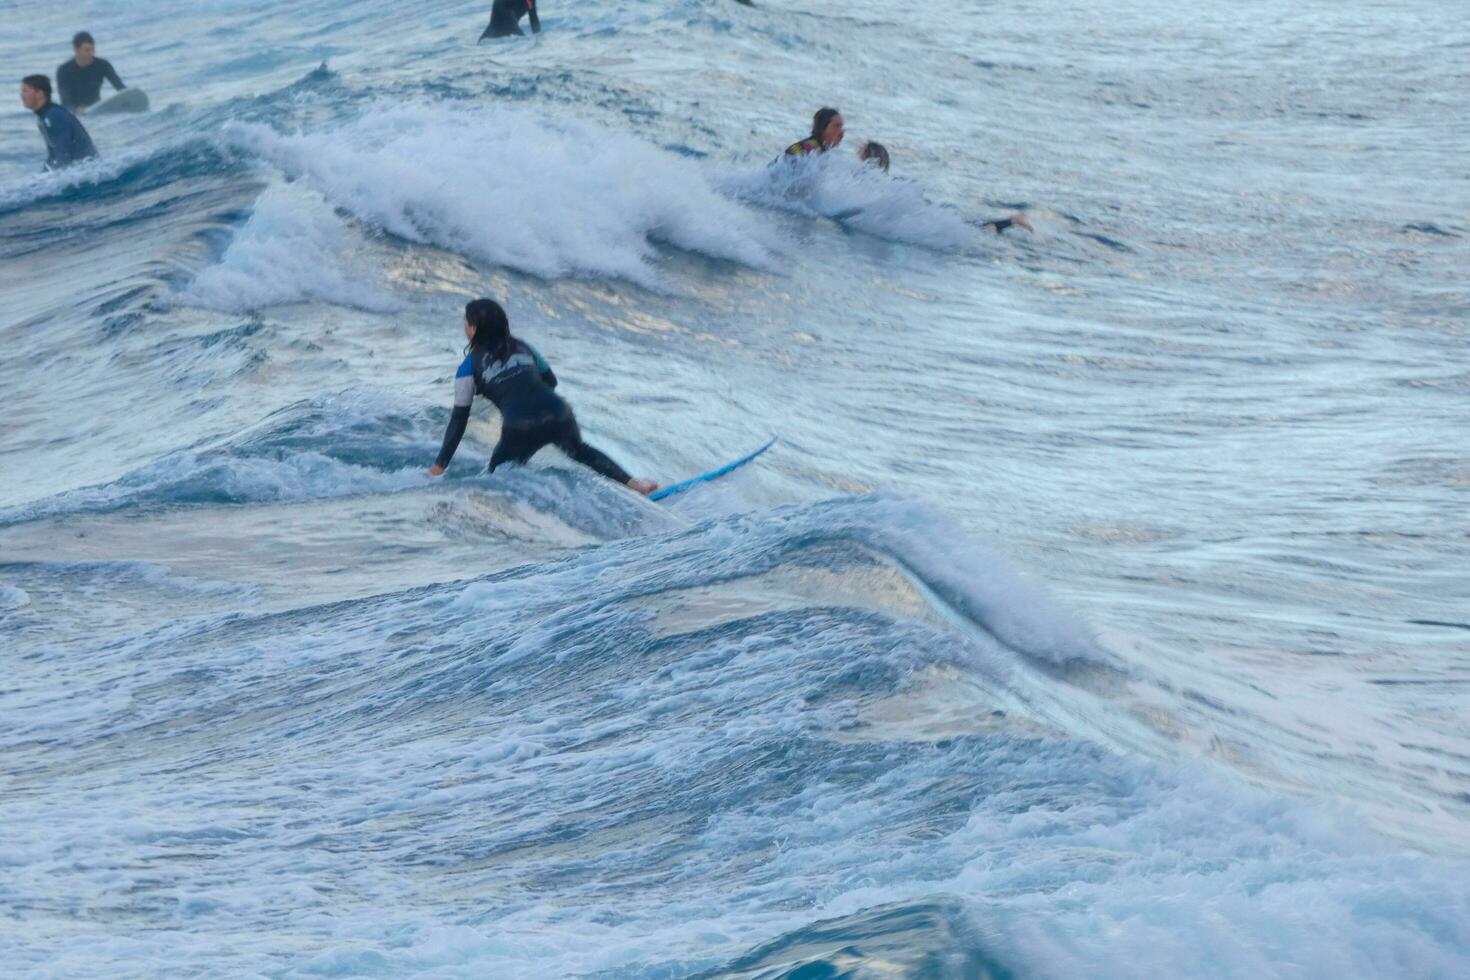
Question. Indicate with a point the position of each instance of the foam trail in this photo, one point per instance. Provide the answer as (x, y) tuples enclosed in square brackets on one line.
[(838, 185)]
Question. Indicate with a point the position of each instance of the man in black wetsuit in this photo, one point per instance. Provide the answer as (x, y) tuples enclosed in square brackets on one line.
[(505, 18), (79, 81), (67, 141)]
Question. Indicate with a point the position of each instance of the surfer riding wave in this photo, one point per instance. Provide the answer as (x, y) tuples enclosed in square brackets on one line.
[(511, 373)]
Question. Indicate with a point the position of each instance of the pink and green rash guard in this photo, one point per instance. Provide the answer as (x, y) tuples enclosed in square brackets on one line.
[(805, 147)]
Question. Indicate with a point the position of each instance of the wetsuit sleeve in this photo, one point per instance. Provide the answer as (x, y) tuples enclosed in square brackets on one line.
[(464, 397), (65, 92), (548, 377), (535, 21), (51, 163), (111, 74)]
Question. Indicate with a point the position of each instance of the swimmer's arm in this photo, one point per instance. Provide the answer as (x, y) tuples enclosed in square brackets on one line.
[(50, 138), (110, 73), (535, 21), (65, 94), (464, 397), (453, 433)]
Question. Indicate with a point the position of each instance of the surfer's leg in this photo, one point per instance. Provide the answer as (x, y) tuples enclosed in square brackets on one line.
[(569, 441), (517, 445), (593, 458)]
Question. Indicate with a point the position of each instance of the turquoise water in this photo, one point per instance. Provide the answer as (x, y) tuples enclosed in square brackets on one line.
[(1101, 611)]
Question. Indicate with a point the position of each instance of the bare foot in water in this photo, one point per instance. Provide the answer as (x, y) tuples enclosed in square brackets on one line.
[(1019, 220), (644, 487)]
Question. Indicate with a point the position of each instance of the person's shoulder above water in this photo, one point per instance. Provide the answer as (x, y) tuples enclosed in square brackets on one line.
[(827, 132), (804, 147), (67, 140)]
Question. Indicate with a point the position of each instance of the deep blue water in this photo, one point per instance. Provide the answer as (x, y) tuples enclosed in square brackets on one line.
[(1102, 611)]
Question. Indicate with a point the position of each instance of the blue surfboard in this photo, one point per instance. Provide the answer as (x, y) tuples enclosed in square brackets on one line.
[(711, 475)]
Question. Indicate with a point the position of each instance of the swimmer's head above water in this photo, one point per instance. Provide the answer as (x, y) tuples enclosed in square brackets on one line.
[(871, 152), (35, 92), (85, 47), (827, 127)]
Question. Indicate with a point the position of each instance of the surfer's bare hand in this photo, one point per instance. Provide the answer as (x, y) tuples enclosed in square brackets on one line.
[(436, 470)]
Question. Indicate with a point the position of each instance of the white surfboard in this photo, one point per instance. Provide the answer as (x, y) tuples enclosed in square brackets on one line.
[(128, 100)]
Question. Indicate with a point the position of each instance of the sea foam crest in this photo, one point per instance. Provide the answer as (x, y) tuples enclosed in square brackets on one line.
[(839, 186), (553, 198), (291, 250)]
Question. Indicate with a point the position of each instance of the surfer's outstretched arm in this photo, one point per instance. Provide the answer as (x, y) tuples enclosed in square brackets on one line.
[(459, 418), (535, 21)]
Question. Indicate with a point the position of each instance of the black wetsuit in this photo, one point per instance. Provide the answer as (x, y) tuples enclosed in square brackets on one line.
[(532, 415), (79, 87), (67, 141), (505, 18)]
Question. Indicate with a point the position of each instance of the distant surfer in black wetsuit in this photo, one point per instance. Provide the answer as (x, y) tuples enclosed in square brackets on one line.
[(67, 141), (505, 18), (510, 373), (79, 81), (827, 132)]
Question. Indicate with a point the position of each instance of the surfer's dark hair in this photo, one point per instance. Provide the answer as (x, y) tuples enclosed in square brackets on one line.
[(40, 83), (81, 38), (492, 327), (820, 120), (876, 152)]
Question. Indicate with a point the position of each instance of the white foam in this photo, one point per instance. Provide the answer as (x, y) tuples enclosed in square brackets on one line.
[(354, 764), (550, 197), (975, 580), (53, 183), (293, 249), (838, 185)]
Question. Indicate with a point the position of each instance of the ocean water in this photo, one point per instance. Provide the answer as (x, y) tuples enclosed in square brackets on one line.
[(1103, 610)]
